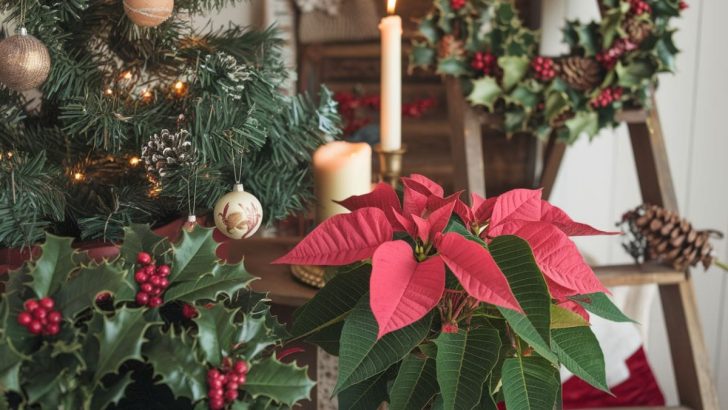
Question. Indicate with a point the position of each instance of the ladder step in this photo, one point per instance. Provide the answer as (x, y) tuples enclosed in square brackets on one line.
[(632, 116), (642, 274)]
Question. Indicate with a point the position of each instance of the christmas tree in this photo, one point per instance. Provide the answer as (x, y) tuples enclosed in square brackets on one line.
[(88, 153)]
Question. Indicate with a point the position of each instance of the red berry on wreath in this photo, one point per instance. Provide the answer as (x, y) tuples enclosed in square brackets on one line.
[(144, 258), (46, 303), (457, 4), (142, 298), (24, 319), (140, 276), (544, 68), (40, 313), (163, 270), (155, 301), (639, 7), (30, 305), (484, 62), (241, 367), (35, 327), (55, 317), (149, 270), (52, 329), (682, 5), (231, 395)]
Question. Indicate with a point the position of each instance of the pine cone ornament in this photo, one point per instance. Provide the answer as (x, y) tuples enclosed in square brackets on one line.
[(167, 149), (450, 47), (637, 29), (659, 234), (580, 73)]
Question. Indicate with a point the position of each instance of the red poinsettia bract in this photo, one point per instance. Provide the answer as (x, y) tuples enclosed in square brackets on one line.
[(408, 283)]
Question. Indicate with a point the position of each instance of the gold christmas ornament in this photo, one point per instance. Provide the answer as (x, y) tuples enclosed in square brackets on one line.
[(26, 62), (238, 214), (148, 13)]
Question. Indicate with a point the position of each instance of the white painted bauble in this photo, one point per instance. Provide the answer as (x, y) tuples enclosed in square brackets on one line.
[(238, 214), (148, 13)]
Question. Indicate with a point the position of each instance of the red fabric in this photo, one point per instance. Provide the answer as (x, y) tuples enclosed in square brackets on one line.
[(641, 389)]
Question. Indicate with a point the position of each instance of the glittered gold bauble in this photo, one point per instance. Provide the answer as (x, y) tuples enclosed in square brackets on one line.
[(25, 62), (238, 214), (148, 13)]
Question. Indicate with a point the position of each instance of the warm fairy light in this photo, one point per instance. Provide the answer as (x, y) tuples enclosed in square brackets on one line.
[(180, 88), (78, 176), (109, 91), (146, 94), (126, 75), (134, 161), (179, 85), (391, 6)]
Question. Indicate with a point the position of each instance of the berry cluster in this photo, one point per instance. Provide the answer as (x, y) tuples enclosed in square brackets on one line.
[(639, 7), (457, 4), (544, 68), (683, 5), (152, 281), (224, 383), (608, 58), (40, 318), (416, 109), (485, 62), (607, 97)]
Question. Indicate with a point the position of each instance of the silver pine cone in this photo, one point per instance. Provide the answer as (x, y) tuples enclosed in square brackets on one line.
[(167, 150)]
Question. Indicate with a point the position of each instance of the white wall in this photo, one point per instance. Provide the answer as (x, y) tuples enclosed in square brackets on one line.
[(598, 180)]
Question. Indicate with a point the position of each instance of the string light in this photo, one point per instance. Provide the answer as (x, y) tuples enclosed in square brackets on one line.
[(109, 91), (126, 75), (134, 161), (146, 95), (78, 176), (180, 88)]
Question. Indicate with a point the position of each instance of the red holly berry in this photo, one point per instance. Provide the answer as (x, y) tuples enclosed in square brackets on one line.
[(608, 58), (24, 318), (55, 317), (231, 395), (46, 303), (35, 327), (52, 329), (639, 7), (241, 367), (544, 68), (189, 311), (103, 297), (40, 313), (606, 97), (155, 301), (144, 258), (457, 4), (484, 62), (163, 270), (213, 374), (142, 298), (164, 283), (30, 305), (147, 287), (683, 5), (149, 270), (140, 276)]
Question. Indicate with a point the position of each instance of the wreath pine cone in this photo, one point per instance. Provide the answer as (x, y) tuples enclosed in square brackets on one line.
[(637, 29), (450, 47), (580, 73), (662, 235)]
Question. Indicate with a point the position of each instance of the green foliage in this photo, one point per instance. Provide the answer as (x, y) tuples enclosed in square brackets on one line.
[(113, 353), (601, 305), (415, 385), (530, 383), (506, 88), (94, 118)]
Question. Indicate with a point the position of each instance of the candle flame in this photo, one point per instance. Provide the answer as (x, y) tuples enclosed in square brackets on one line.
[(391, 6)]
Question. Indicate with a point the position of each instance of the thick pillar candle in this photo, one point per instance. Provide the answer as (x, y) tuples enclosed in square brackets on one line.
[(391, 87), (341, 169)]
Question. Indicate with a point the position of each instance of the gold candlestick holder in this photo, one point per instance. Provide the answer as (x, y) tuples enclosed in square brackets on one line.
[(390, 164)]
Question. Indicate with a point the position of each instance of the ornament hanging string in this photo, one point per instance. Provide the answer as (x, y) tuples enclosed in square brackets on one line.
[(21, 22), (238, 173), (192, 199)]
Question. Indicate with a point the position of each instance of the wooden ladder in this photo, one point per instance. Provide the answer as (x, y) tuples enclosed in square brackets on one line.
[(687, 346)]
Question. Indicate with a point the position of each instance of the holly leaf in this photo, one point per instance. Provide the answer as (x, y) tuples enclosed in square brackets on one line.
[(666, 51), (333, 303), (556, 103), (428, 30), (635, 74), (476, 270), (524, 96), (121, 339), (566, 272), (366, 395), (140, 238), (422, 56), (579, 351), (415, 385), (51, 373), (80, 292), (175, 360), (55, 263), (609, 29), (486, 92), (583, 122), (342, 239), (104, 397), (363, 355), (451, 66), (530, 383), (514, 69), (600, 305), (223, 280), (403, 290), (284, 383), (464, 360), (588, 38), (216, 333), (10, 362), (194, 254), (255, 335)]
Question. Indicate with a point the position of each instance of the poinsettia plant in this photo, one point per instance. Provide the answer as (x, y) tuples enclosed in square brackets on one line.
[(444, 305), (162, 325)]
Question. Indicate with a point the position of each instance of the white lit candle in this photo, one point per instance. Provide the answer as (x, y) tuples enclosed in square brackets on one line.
[(341, 169), (391, 87)]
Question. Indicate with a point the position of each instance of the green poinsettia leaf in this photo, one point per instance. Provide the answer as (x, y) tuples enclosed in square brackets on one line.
[(121, 339), (80, 292), (415, 385), (523, 327), (56, 262), (514, 69), (363, 356), (175, 359), (217, 334), (368, 394), (635, 74), (194, 255), (333, 303), (584, 122), (562, 318), (530, 383), (600, 305), (284, 383), (515, 259), (464, 360), (579, 351), (108, 395), (486, 92), (328, 338), (224, 280), (423, 56), (140, 238), (557, 102)]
